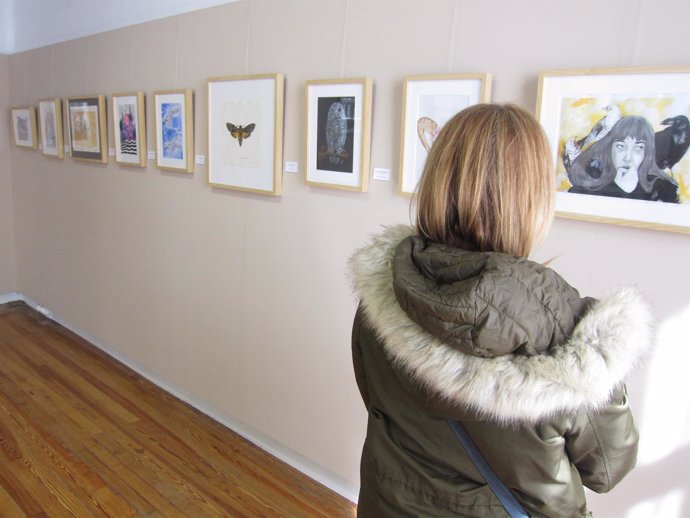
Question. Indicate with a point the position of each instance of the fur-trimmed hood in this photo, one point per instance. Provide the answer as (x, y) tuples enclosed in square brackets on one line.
[(506, 337)]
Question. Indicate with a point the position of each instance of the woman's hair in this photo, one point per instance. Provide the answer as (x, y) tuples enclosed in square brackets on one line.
[(582, 174), (488, 182)]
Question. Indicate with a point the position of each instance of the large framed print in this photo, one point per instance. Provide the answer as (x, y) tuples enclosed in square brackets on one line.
[(429, 101), (245, 133), (50, 124), (338, 133), (620, 141), (174, 114), (24, 127), (87, 128), (129, 128)]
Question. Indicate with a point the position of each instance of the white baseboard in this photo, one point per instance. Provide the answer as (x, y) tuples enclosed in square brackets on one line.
[(10, 297), (280, 451)]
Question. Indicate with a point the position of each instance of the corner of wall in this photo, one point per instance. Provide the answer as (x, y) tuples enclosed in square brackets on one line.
[(8, 270)]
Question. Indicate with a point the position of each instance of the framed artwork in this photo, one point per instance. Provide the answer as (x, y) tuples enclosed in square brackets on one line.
[(429, 101), (129, 128), (24, 127), (245, 133), (620, 141), (338, 133), (87, 128), (174, 113), (50, 123)]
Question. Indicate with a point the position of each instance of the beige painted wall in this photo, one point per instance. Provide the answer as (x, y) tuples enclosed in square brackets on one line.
[(8, 281), (239, 301)]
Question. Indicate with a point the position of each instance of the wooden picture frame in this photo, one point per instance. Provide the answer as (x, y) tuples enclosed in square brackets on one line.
[(613, 135), (129, 128), (24, 131), (245, 133), (174, 115), (338, 129), (429, 101), (88, 131), (50, 124)]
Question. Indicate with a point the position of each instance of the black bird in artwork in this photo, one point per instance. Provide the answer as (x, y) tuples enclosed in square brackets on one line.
[(672, 143)]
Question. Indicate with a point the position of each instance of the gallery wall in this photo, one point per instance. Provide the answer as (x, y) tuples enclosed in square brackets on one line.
[(28, 24), (7, 256), (239, 302)]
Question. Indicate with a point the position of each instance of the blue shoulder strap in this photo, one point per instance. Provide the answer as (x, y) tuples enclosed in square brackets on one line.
[(508, 501)]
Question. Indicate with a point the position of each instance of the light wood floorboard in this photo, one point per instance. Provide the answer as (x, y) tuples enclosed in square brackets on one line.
[(82, 435)]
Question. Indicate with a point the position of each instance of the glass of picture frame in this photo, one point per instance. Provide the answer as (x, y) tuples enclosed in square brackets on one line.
[(620, 139), (129, 128), (245, 133), (429, 101), (50, 124), (24, 131), (174, 116), (338, 139), (87, 128)]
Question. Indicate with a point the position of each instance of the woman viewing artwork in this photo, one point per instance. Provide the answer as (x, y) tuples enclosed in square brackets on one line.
[(455, 323)]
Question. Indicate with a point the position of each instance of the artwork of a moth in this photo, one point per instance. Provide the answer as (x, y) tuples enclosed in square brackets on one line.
[(240, 132)]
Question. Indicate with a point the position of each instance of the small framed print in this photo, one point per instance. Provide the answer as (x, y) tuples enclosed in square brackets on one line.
[(87, 128), (50, 123), (129, 128), (620, 140), (24, 127), (338, 133), (429, 101), (174, 114), (245, 133)]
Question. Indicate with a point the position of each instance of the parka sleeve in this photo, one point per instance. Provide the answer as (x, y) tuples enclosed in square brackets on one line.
[(603, 446), (357, 359)]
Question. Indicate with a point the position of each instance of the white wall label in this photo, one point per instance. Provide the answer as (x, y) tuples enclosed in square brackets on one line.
[(291, 167), (111, 152), (382, 174), (151, 155), (200, 159)]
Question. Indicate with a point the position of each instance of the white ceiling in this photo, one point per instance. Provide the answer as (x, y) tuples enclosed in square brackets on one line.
[(29, 24)]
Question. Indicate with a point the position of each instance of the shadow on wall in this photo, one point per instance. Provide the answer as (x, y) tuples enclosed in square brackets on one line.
[(663, 489), (661, 481)]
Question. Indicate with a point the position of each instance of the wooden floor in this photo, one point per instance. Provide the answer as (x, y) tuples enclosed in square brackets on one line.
[(83, 436)]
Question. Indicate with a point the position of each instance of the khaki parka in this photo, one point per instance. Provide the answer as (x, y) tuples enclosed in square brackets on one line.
[(534, 372)]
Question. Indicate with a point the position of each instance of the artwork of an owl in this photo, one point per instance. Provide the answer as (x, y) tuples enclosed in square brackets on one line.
[(336, 132)]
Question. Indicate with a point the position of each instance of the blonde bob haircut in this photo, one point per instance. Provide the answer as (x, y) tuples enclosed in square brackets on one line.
[(488, 182)]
